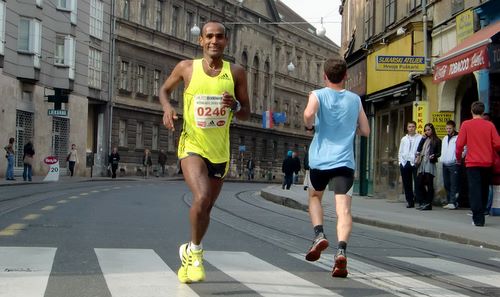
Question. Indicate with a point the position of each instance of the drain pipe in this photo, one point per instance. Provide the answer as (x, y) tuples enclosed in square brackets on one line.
[(413, 75)]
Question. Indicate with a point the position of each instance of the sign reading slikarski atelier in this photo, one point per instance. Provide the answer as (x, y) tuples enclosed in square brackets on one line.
[(468, 62)]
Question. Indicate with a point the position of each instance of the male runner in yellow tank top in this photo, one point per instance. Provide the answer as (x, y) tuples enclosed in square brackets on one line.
[(215, 90)]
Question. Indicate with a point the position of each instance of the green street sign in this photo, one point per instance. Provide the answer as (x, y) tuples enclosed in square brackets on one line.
[(57, 112)]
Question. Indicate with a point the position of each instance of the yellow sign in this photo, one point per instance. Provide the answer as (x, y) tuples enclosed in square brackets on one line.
[(420, 115), (464, 25), (400, 63), (439, 120)]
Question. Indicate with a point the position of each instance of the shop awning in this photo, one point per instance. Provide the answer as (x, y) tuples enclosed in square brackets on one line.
[(468, 56)]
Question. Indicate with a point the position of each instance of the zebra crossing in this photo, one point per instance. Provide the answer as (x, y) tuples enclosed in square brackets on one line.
[(25, 272)]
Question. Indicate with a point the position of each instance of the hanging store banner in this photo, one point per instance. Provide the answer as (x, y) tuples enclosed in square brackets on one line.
[(420, 115), (400, 63), (464, 25), (356, 78), (467, 62)]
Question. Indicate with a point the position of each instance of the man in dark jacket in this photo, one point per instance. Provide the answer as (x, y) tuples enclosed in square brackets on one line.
[(296, 160), (288, 168), (162, 161), (113, 160), (306, 168)]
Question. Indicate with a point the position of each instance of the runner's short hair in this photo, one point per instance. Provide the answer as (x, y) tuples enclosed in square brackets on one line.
[(335, 69), (477, 108), (213, 21)]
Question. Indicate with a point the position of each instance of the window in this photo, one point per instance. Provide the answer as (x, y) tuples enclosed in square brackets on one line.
[(414, 4), (369, 27), (124, 75), (59, 55), (159, 15), (96, 18), (267, 80), (2, 27), (139, 139), (29, 39), (39, 3), (95, 64), (173, 27), (64, 4), (140, 79), (68, 5), (122, 133), (319, 73), (189, 25), (390, 12), (65, 53), (155, 138), (144, 12), (126, 9), (156, 82), (457, 6)]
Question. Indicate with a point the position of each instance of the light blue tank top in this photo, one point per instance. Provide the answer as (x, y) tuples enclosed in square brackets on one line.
[(335, 128)]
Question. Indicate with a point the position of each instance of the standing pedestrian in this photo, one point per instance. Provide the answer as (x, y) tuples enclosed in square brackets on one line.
[(250, 168), (336, 116), (428, 153), (214, 84), (407, 152), (72, 159), (451, 171), (288, 168), (482, 141), (9, 155), (306, 168), (162, 161), (296, 165), (28, 153), (147, 162), (113, 160)]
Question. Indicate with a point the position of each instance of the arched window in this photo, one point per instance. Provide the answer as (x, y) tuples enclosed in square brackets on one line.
[(267, 78), (255, 85)]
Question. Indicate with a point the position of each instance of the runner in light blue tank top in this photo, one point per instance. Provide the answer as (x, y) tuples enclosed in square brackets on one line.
[(335, 128)]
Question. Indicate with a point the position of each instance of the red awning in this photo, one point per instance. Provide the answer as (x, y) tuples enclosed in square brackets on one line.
[(468, 56)]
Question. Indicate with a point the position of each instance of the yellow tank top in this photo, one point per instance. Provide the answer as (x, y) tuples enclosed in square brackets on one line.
[(206, 123)]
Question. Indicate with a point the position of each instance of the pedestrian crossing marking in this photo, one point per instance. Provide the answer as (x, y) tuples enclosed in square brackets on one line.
[(48, 207), (139, 273), (24, 271), (62, 201), (495, 259), (262, 277), (84, 194), (73, 197), (94, 191), (32, 216), (12, 229), (469, 272), (396, 283)]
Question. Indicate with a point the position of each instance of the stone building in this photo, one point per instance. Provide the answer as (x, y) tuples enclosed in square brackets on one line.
[(153, 36), (49, 47)]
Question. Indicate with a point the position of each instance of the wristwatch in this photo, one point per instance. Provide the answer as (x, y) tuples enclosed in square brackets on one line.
[(238, 106)]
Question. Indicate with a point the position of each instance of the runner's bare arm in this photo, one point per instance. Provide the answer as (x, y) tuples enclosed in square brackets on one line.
[(177, 75), (241, 93), (310, 111), (363, 125)]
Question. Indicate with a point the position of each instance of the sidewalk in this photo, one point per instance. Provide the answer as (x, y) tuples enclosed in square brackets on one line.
[(452, 225)]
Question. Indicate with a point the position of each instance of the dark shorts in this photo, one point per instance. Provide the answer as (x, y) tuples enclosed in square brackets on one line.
[(343, 179), (215, 170)]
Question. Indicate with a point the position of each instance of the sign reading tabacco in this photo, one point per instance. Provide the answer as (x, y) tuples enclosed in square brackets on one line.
[(400, 63)]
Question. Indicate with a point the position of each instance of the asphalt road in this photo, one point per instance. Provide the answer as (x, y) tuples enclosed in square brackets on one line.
[(121, 238)]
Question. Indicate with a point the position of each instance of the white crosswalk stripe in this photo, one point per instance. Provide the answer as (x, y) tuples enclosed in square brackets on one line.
[(395, 283), (139, 273), (488, 277), (266, 279), (495, 259), (24, 271)]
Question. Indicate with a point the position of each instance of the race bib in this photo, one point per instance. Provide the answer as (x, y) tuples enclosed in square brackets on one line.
[(209, 112)]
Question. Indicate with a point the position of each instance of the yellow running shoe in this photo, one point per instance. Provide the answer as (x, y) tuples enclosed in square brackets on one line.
[(184, 255), (195, 270)]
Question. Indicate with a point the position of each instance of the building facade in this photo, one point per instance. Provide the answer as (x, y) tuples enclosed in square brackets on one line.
[(153, 36), (54, 47), (406, 45)]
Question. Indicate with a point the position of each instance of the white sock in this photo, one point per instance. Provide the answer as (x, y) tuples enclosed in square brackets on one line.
[(194, 247)]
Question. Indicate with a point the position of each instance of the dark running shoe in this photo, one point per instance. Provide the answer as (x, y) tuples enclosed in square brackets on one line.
[(320, 243), (340, 266)]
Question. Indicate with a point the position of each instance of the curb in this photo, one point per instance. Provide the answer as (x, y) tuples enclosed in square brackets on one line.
[(288, 202)]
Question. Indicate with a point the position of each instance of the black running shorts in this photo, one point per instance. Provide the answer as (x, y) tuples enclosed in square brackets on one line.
[(343, 179), (215, 170)]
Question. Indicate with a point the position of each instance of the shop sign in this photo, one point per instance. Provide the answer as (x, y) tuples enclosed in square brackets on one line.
[(400, 63), (462, 64), (439, 120), (356, 78), (464, 25), (420, 111), (494, 57)]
